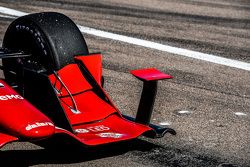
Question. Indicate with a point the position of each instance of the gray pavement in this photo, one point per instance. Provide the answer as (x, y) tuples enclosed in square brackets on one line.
[(210, 134)]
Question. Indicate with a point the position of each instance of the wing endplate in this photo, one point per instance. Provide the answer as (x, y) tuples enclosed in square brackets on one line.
[(93, 62)]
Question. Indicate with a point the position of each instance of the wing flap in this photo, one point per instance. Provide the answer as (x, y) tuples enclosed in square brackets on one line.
[(5, 139)]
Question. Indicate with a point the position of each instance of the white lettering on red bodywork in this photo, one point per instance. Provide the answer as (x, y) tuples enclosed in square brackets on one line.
[(9, 97), (110, 135), (38, 124), (81, 130), (98, 128)]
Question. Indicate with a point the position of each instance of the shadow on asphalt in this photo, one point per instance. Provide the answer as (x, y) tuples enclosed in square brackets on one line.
[(141, 151), (74, 155)]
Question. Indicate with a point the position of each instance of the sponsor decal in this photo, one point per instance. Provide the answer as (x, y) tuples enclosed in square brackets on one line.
[(9, 97), (81, 130), (110, 135), (99, 128), (38, 124)]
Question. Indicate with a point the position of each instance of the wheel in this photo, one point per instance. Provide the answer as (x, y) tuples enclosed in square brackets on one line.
[(51, 38)]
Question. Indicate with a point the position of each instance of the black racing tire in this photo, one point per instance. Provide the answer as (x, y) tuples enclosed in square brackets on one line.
[(51, 38)]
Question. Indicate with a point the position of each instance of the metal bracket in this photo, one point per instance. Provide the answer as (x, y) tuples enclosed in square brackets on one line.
[(7, 53)]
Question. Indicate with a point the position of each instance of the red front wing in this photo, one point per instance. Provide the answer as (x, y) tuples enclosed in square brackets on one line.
[(92, 117)]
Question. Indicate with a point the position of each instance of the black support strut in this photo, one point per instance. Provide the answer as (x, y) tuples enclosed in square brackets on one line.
[(146, 102)]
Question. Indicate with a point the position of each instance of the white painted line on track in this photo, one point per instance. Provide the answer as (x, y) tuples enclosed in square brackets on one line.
[(12, 12), (149, 44), (6, 16), (167, 48)]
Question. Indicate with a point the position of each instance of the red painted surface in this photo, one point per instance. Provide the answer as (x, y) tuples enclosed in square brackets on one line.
[(112, 129), (98, 122), (93, 63), (109, 130), (72, 78), (21, 119), (91, 107), (150, 74), (4, 139)]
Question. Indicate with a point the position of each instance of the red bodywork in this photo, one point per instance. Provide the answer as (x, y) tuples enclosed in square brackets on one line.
[(94, 119), (150, 74), (20, 119)]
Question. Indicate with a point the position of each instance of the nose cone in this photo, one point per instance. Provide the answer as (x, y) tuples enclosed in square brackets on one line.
[(37, 130)]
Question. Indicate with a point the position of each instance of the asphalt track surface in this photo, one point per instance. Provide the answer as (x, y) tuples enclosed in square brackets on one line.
[(214, 132)]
